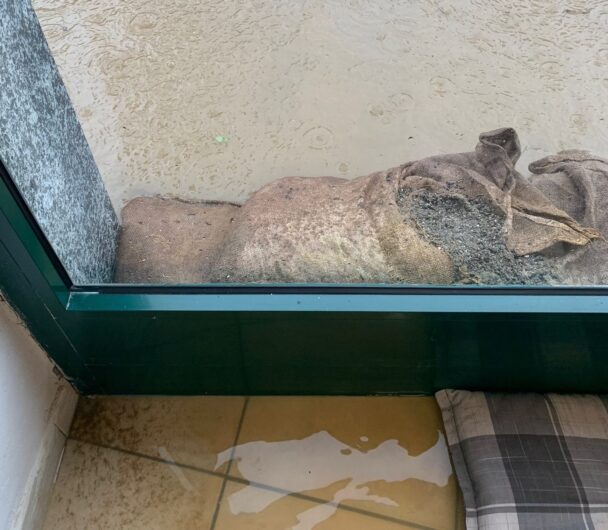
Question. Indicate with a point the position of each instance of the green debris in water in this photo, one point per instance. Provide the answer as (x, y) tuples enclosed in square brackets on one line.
[(221, 139)]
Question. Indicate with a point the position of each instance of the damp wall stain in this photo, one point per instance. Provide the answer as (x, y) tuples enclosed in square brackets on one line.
[(211, 99)]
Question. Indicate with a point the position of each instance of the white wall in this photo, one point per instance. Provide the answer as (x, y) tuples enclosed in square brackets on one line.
[(36, 409)]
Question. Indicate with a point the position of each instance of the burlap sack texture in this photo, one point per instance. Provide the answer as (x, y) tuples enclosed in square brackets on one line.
[(329, 230), (532, 222), (577, 183), (332, 230), (169, 241)]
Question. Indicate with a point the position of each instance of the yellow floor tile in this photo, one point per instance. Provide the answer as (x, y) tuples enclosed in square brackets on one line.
[(187, 430), (387, 456), (105, 489), (293, 513)]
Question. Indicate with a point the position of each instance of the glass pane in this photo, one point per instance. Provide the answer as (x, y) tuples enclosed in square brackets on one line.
[(309, 141)]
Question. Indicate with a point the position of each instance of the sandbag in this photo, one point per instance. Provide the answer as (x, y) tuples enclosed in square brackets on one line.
[(577, 183), (459, 218), (532, 222), (334, 230), (329, 230)]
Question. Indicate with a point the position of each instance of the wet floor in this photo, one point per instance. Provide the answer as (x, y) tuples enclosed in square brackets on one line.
[(256, 463), (211, 99)]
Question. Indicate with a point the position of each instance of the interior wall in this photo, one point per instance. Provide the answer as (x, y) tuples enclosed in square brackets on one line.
[(36, 409)]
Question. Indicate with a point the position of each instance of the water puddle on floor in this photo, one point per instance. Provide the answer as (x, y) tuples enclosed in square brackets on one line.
[(275, 470)]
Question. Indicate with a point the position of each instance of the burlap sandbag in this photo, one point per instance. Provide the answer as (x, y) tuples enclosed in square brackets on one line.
[(333, 230), (532, 221), (577, 182), (468, 217), (329, 230)]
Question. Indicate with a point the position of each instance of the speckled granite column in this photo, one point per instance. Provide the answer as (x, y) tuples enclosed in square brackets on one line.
[(45, 151)]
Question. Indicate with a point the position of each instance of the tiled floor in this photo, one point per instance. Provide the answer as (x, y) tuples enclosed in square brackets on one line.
[(222, 463)]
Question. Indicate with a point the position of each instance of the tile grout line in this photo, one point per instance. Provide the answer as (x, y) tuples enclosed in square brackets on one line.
[(227, 477), (338, 506), (156, 459), (216, 512)]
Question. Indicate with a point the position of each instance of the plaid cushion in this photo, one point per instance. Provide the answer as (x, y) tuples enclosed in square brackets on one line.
[(529, 461)]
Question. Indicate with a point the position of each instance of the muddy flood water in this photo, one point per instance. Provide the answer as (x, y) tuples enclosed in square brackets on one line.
[(208, 100)]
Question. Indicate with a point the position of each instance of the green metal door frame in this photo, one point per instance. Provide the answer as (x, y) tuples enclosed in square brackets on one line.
[(299, 339)]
